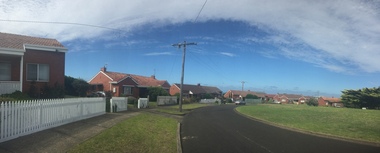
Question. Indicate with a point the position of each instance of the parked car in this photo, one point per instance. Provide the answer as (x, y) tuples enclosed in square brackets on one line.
[(239, 102), (97, 94)]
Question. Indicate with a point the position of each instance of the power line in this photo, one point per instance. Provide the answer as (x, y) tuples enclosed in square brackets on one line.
[(200, 11), (64, 23)]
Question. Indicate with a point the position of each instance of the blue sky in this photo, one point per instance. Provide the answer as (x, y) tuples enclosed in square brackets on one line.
[(288, 46)]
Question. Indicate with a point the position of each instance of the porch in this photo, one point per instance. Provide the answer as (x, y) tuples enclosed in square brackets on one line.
[(7, 87), (11, 70)]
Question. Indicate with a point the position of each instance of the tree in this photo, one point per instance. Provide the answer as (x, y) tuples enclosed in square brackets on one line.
[(69, 89), (250, 96), (365, 97), (153, 92), (207, 96), (312, 101), (81, 87)]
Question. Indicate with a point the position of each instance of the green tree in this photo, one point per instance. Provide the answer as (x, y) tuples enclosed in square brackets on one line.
[(250, 96), (365, 97), (207, 96), (153, 92), (69, 89), (81, 87), (312, 101)]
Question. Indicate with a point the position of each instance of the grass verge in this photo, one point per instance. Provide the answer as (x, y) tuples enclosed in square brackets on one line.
[(143, 133), (356, 124)]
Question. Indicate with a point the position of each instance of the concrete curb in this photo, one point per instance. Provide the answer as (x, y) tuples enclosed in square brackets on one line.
[(179, 143)]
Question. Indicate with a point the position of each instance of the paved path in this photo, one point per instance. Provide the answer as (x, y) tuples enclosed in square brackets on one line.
[(220, 129), (62, 138)]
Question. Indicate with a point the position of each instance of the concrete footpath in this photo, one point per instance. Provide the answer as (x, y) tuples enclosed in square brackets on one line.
[(62, 138)]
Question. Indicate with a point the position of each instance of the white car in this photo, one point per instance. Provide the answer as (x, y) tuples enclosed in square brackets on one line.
[(239, 102)]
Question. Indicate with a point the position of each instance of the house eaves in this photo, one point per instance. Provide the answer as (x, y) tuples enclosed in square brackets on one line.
[(45, 48), (11, 51)]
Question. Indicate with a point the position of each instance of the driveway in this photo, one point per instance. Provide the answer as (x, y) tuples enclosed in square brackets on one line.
[(220, 129)]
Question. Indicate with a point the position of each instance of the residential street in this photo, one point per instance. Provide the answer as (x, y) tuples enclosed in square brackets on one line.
[(220, 129)]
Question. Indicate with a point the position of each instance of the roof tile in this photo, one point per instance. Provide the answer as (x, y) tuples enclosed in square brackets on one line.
[(17, 41)]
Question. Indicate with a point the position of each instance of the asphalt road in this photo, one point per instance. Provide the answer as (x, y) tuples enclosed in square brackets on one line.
[(219, 129)]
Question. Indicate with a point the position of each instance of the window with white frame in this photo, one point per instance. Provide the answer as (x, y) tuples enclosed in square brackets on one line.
[(37, 72), (5, 71), (127, 90)]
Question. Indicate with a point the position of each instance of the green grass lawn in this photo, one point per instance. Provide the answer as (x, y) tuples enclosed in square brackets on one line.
[(342, 122), (143, 133)]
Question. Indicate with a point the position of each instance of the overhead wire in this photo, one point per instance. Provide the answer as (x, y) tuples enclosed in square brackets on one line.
[(66, 23)]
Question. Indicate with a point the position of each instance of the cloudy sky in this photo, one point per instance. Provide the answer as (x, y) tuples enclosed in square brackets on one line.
[(284, 46)]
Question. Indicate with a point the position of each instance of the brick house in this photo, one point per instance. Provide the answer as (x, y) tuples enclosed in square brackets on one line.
[(289, 98), (122, 84), (332, 102), (26, 60), (195, 91), (238, 94)]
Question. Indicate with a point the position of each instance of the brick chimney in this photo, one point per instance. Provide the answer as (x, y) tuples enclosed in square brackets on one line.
[(153, 76), (103, 69), (198, 84)]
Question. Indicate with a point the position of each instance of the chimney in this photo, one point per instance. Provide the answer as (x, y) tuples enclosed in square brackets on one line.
[(153, 76), (103, 69), (198, 84)]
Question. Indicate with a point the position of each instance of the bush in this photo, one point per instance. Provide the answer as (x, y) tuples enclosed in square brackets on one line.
[(132, 100), (17, 95), (312, 102), (229, 100), (153, 92), (186, 101)]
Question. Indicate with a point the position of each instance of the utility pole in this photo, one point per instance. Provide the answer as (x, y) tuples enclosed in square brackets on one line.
[(184, 44), (242, 86)]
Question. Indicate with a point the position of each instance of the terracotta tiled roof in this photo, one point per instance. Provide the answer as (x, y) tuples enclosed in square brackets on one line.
[(332, 100), (199, 89), (291, 96), (245, 93), (17, 41), (140, 80)]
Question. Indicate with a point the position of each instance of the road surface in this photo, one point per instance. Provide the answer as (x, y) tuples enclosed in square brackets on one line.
[(219, 129)]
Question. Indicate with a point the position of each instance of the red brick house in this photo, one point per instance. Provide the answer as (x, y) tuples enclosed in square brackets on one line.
[(289, 98), (332, 102), (195, 91), (122, 84), (238, 94), (26, 60)]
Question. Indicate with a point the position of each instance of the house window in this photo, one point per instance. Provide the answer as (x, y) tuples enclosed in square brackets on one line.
[(127, 90), (37, 72), (5, 71)]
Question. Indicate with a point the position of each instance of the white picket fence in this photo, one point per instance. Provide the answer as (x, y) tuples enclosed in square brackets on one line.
[(26, 117), (118, 104)]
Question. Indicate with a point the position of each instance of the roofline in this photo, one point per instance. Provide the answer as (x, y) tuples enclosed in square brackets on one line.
[(11, 51), (98, 74), (45, 48), (128, 76)]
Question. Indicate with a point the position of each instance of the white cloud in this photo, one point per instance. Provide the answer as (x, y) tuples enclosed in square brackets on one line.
[(344, 34), (228, 54), (158, 53)]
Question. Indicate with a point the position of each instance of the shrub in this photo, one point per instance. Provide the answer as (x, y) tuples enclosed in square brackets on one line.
[(17, 95), (132, 100), (312, 102)]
